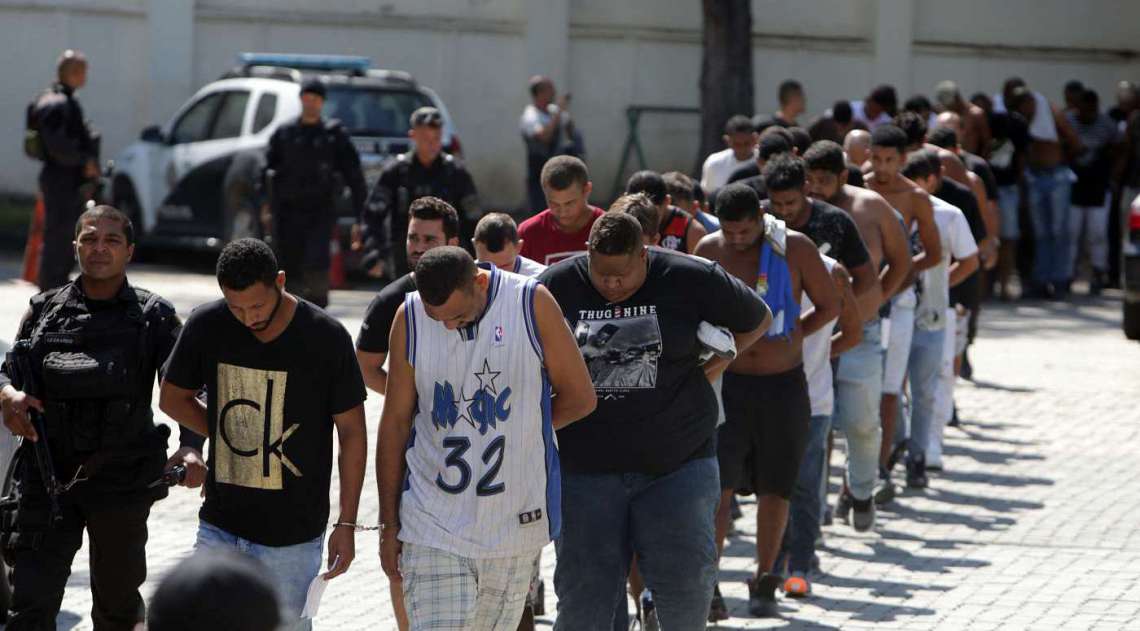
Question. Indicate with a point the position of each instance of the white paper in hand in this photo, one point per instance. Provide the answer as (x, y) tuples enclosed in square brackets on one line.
[(313, 599)]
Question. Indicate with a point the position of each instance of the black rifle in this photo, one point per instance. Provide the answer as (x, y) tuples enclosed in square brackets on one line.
[(20, 370)]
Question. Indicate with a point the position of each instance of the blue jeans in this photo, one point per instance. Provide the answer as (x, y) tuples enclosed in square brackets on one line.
[(1009, 197), (1049, 192), (858, 392), (923, 370), (292, 567), (804, 515), (667, 520)]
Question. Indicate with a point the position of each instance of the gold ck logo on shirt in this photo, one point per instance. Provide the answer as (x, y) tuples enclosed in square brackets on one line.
[(251, 433)]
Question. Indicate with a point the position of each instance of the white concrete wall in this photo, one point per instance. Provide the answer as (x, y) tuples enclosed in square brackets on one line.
[(478, 54)]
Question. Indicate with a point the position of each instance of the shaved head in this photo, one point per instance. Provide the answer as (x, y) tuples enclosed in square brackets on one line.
[(950, 120), (856, 145)]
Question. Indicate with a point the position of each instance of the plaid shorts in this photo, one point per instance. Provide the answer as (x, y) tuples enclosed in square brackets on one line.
[(445, 591)]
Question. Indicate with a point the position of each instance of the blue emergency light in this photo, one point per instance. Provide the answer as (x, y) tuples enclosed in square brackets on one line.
[(351, 63)]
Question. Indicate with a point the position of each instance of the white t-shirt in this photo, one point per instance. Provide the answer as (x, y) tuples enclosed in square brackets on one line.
[(859, 113), (1043, 126), (817, 358), (719, 167), (958, 243)]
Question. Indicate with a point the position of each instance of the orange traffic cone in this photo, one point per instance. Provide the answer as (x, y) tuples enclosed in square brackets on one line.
[(35, 243), (337, 278)]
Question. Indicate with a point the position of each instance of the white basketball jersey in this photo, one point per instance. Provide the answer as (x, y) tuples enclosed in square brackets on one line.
[(482, 463)]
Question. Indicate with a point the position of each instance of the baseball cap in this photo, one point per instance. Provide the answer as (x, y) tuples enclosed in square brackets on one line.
[(314, 86), (426, 115)]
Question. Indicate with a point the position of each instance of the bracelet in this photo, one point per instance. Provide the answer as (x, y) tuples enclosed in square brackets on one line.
[(357, 527)]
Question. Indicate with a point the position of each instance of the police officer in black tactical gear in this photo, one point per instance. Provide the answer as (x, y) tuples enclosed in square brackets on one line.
[(423, 171), (309, 162), (58, 135), (92, 347)]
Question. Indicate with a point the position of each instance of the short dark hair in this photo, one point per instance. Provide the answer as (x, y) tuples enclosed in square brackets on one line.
[(435, 209), (763, 122), (698, 192), (739, 124), (495, 230), (918, 164), (643, 210), (785, 172), (912, 125), (788, 88), (889, 136), (918, 103), (680, 187), (443, 270), (826, 155), (801, 139), (943, 137), (614, 234), (245, 262), (736, 202), (238, 588), (535, 83), (649, 182), (774, 140), (1074, 86), (886, 97), (842, 112), (1089, 97), (103, 211), (561, 172)]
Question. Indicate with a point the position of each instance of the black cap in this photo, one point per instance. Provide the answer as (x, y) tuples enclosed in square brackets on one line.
[(316, 86), (220, 591), (426, 115)]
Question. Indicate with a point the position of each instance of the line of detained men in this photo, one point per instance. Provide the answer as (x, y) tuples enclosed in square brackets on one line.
[(653, 352)]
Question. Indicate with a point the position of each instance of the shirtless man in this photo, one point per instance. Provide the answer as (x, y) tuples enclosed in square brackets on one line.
[(979, 177), (1052, 141), (888, 154), (860, 375), (765, 392), (975, 129), (857, 145)]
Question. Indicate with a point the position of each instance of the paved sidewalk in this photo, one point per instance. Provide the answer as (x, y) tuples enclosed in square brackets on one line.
[(1035, 524)]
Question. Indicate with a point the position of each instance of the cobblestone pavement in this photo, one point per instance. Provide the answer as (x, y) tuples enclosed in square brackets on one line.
[(1035, 523)]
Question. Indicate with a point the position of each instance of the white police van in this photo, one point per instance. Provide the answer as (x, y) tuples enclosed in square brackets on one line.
[(192, 182)]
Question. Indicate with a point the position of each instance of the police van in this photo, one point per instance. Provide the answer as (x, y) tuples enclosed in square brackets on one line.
[(194, 181)]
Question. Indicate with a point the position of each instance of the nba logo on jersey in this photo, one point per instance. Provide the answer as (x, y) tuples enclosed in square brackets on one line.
[(498, 335)]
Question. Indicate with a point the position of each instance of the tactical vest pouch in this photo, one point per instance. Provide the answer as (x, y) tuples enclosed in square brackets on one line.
[(101, 374)]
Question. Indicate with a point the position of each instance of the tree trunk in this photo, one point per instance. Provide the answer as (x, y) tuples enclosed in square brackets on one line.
[(726, 68)]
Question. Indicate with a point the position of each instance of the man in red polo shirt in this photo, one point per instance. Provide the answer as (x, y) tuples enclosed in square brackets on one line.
[(561, 230)]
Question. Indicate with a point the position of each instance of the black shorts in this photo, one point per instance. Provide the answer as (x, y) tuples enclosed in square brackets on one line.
[(762, 442)]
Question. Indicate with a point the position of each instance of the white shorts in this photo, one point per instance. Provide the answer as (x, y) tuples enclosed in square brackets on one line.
[(900, 331), (443, 590)]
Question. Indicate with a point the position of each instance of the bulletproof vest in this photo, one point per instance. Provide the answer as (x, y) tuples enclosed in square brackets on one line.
[(307, 169), (92, 367)]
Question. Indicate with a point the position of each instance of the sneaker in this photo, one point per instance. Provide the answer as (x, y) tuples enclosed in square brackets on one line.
[(916, 472), (886, 493), (718, 610), (797, 586), (648, 613), (863, 514), (843, 506), (1097, 282), (762, 596), (954, 422)]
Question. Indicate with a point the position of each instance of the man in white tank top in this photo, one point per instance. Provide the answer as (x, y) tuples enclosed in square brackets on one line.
[(466, 454)]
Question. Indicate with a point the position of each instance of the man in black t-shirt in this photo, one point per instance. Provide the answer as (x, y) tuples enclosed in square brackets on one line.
[(280, 374), (1007, 161), (432, 223), (639, 474), (833, 231)]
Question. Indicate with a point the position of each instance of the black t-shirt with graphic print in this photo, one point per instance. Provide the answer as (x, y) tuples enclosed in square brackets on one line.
[(656, 410), (835, 234), (270, 409)]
